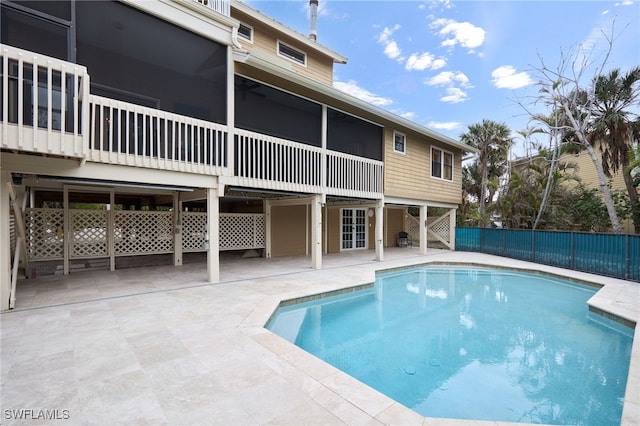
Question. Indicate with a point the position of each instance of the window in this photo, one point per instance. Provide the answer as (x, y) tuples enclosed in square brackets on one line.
[(291, 53), (245, 32), (441, 164), (399, 142)]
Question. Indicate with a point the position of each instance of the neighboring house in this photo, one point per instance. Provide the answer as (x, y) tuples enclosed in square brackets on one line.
[(197, 127), (585, 172)]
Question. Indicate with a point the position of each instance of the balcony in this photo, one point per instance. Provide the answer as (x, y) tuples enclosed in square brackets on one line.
[(61, 118), (220, 6)]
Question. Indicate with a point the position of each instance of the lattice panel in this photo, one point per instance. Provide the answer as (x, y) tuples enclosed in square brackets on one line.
[(45, 236), (441, 228), (193, 231), (143, 232), (241, 231), (89, 229), (413, 228)]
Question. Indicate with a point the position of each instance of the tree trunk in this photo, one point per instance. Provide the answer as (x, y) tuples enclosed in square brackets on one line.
[(606, 192), (482, 208), (548, 186), (633, 200), (602, 179)]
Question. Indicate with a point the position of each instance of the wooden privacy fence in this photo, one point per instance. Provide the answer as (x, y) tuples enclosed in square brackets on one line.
[(612, 255)]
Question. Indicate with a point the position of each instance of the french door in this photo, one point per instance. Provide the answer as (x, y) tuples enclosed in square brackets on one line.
[(354, 229)]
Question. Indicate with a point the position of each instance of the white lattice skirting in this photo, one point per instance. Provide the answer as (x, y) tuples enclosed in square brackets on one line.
[(135, 233)]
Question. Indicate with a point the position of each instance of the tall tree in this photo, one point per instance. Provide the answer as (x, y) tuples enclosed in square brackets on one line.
[(616, 127), (561, 89), (493, 141)]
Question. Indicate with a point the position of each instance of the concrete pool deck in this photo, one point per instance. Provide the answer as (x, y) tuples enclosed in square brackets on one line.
[(159, 345)]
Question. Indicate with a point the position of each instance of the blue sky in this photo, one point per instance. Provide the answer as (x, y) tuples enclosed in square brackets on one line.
[(447, 64)]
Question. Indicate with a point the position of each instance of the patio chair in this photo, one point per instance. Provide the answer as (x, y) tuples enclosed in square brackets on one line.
[(403, 239)]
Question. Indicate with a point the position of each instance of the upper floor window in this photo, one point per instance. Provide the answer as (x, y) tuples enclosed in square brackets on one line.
[(245, 32), (290, 53), (441, 164), (399, 142)]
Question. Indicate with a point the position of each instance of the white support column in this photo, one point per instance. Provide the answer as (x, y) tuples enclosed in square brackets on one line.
[(111, 230), (379, 230), (316, 231), (452, 229), (267, 229), (424, 226), (5, 248), (67, 233), (213, 236), (177, 232)]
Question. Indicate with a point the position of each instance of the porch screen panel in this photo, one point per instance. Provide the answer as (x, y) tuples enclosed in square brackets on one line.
[(264, 109), (135, 57), (352, 135)]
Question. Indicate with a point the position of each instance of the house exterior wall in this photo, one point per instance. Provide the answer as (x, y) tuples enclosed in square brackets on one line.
[(288, 230), (333, 230), (586, 172), (265, 42), (408, 175), (394, 221)]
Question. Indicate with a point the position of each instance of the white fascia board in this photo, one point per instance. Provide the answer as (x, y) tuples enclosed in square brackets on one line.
[(412, 202), (61, 167), (259, 16), (266, 65)]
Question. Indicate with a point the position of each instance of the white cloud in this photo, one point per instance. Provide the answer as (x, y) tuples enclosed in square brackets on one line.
[(351, 87), (391, 48), (444, 125), (624, 3), (506, 77), (423, 61), (449, 78), (454, 95), (465, 34)]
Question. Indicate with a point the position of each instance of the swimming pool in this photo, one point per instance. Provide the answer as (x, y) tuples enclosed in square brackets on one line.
[(472, 343)]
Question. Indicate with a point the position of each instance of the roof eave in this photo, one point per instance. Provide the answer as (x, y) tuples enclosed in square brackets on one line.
[(256, 14)]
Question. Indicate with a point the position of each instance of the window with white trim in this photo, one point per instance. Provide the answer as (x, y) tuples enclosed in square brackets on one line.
[(399, 142), (292, 54), (441, 164), (246, 32)]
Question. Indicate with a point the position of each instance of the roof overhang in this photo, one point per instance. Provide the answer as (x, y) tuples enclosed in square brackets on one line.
[(312, 44)]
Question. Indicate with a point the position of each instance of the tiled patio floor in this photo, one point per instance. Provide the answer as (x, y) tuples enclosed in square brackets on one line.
[(159, 345)]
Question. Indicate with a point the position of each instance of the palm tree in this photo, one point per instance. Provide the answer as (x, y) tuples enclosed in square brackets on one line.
[(615, 128), (493, 141)]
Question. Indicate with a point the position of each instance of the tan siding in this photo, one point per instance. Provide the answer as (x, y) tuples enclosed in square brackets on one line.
[(288, 230), (371, 231), (319, 67), (587, 173), (394, 219), (333, 233), (409, 175)]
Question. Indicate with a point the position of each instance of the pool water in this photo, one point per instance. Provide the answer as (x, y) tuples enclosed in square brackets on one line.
[(473, 343)]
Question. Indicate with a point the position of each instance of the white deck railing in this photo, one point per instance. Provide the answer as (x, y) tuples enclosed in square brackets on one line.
[(221, 6), (268, 162), (350, 175), (51, 118), (61, 118), (133, 135)]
